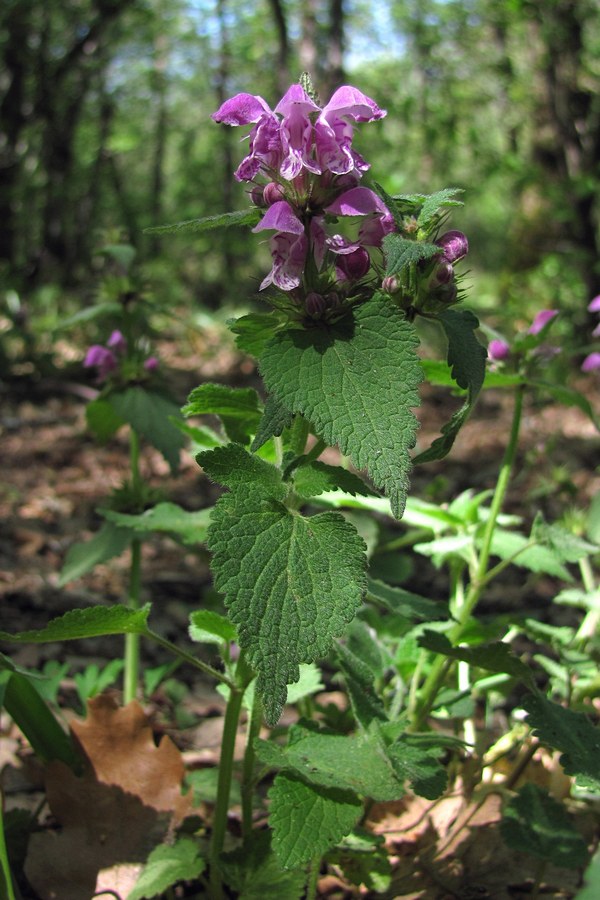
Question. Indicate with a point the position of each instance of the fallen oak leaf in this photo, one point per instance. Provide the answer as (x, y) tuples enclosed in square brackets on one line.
[(126, 803)]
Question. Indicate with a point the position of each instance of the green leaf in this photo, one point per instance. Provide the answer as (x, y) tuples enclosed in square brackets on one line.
[(364, 860), (85, 623), (210, 627), (564, 545), (255, 330), (359, 678), (102, 419), (356, 382), (149, 414), (209, 223), (275, 419), (255, 873), (166, 865), (188, 527), (307, 820), (434, 202), (568, 397), (357, 763), (494, 657), (591, 879), (571, 733), (315, 478), (90, 313), (235, 468), (535, 823), (82, 557), (509, 544), (400, 252), (203, 438), (416, 759), (31, 714), (290, 583), (466, 357), (405, 603), (309, 683), (238, 408)]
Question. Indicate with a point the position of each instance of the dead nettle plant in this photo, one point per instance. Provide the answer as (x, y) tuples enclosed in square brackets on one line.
[(296, 543)]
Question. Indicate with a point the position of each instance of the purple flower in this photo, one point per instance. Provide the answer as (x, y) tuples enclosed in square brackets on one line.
[(117, 342), (353, 265), (454, 245), (360, 201), (594, 305), (333, 131), (285, 141), (591, 362), (151, 364), (596, 331), (542, 319), (296, 132), (288, 247), (498, 350), (102, 359)]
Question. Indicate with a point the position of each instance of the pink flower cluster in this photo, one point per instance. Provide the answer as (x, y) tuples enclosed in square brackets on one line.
[(592, 360), (305, 152), (499, 350), (107, 359)]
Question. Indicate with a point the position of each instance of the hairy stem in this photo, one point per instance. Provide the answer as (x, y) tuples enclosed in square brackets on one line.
[(440, 665), (243, 676), (248, 780), (132, 641)]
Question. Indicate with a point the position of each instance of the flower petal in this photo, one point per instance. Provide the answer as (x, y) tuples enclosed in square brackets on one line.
[(348, 101), (358, 201), (280, 217), (296, 98), (241, 110)]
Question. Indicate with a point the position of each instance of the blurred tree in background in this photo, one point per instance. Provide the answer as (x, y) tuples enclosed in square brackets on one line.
[(105, 128)]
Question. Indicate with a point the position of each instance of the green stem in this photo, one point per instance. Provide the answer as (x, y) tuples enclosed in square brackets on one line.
[(6, 882), (298, 434), (314, 868), (248, 781), (440, 665), (188, 658), (243, 676), (589, 626), (132, 641)]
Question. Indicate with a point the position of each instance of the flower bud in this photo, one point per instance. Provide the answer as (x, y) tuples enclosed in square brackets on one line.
[(591, 362), (117, 342), (498, 350), (390, 284), (257, 195), (541, 320), (272, 193), (447, 293), (443, 274), (454, 245), (315, 305), (333, 300), (354, 265)]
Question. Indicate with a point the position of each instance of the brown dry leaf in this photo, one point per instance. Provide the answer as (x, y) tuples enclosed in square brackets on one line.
[(123, 805)]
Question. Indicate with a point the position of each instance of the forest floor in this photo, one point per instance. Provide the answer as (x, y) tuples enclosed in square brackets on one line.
[(54, 478)]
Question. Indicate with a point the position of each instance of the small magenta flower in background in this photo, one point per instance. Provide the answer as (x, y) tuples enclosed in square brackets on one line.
[(541, 320), (591, 362), (498, 350), (594, 305), (102, 359), (117, 342)]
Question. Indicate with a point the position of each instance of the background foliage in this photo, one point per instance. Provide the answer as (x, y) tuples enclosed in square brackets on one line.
[(105, 109)]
